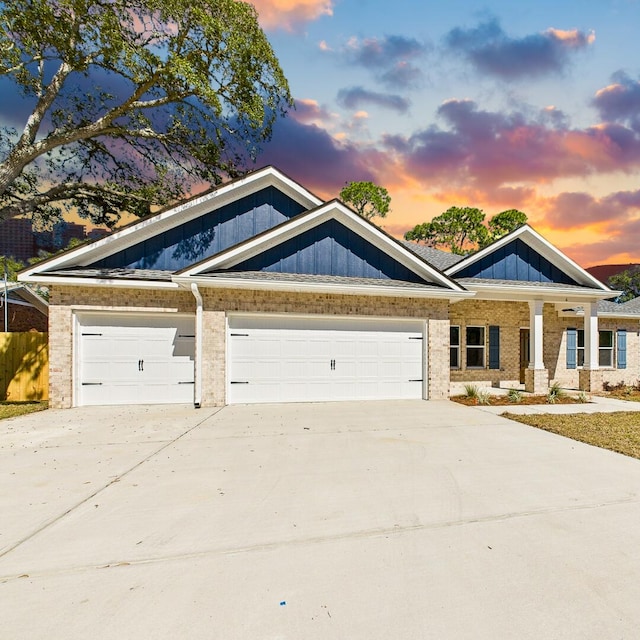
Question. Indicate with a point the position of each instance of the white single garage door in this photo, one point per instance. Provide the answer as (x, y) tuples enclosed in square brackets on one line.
[(134, 359), (279, 359)]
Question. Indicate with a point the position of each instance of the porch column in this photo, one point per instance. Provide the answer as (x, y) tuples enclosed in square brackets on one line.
[(590, 376), (536, 377)]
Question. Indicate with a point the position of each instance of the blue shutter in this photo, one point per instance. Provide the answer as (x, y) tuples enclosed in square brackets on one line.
[(494, 347), (622, 348), (572, 348)]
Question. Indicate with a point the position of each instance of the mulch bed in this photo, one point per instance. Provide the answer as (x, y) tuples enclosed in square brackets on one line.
[(500, 400)]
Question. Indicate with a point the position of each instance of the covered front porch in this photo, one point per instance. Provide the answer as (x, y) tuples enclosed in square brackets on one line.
[(529, 336)]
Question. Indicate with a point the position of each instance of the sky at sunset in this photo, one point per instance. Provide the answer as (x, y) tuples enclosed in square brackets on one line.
[(527, 105)]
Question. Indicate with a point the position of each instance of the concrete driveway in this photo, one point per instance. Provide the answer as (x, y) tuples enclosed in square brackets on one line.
[(348, 520)]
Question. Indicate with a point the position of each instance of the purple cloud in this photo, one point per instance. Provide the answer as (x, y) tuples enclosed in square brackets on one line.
[(620, 101), (390, 58), (311, 156), (357, 97), (490, 50), (491, 149)]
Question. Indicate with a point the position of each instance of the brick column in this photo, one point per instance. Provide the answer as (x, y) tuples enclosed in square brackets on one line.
[(590, 380)]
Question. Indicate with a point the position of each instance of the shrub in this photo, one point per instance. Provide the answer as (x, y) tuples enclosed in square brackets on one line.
[(555, 393), (483, 397), (582, 397), (514, 396), (471, 391)]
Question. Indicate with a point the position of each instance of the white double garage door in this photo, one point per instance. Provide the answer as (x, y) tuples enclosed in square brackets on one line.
[(130, 359)]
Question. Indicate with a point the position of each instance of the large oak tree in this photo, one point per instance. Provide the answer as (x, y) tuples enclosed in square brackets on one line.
[(129, 103)]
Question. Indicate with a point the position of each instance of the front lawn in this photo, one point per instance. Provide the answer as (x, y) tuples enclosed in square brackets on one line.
[(14, 409), (619, 431)]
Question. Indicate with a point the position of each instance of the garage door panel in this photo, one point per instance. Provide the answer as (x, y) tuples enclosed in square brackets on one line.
[(315, 360), (131, 359)]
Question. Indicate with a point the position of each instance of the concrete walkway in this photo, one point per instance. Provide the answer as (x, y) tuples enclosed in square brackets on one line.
[(371, 521)]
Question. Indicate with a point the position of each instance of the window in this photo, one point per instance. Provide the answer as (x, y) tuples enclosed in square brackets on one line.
[(580, 347), (475, 347), (605, 348), (454, 347)]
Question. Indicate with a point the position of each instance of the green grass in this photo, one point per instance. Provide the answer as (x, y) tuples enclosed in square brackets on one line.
[(15, 409), (618, 431)]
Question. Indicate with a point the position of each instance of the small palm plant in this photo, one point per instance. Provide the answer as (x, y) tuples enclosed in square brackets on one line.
[(514, 396), (555, 393), (471, 391)]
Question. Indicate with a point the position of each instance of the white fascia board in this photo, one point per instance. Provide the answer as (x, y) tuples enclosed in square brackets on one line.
[(304, 222), (319, 287), (485, 291), (543, 247), (98, 282), (155, 224)]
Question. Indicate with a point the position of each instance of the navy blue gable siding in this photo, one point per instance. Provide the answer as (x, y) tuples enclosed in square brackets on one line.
[(329, 249), (516, 261), (208, 234)]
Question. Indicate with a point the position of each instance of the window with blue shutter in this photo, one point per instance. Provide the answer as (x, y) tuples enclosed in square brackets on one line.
[(494, 347), (572, 348), (622, 348)]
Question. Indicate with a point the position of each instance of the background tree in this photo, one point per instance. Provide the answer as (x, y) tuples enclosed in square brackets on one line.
[(461, 230), (367, 198), (505, 222), (131, 102), (11, 266), (628, 282)]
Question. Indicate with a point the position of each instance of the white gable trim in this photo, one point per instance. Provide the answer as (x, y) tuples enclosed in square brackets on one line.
[(522, 292), (543, 247), (140, 231), (305, 221)]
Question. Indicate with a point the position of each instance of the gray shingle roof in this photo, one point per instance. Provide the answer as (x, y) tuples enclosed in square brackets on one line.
[(439, 259), (468, 282), (268, 276), (632, 307), (116, 274)]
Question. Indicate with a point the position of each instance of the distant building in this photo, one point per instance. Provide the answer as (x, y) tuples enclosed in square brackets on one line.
[(63, 232), (16, 239), (96, 233)]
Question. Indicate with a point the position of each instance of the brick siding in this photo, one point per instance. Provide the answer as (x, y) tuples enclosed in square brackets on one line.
[(64, 301)]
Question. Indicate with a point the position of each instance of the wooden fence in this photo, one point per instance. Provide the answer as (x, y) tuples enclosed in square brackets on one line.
[(24, 366)]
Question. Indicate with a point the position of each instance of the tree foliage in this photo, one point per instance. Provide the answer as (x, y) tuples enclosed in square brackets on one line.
[(628, 282), (461, 230), (11, 267), (368, 199), (131, 102)]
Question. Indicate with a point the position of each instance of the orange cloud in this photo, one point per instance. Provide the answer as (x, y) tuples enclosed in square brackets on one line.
[(572, 37), (290, 14)]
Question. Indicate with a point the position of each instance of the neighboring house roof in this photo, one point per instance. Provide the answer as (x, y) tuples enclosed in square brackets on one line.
[(22, 294), (604, 271)]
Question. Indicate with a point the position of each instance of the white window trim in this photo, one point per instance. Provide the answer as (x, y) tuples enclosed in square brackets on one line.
[(482, 347), (611, 349), (457, 347)]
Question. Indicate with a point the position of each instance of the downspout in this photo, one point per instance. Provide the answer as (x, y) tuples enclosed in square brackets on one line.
[(197, 395)]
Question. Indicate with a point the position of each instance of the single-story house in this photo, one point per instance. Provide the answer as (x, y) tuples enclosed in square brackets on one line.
[(22, 309), (259, 291)]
